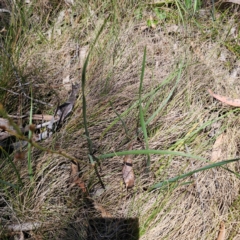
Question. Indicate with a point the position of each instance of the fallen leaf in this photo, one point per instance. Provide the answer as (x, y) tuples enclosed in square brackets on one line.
[(74, 178), (226, 100), (217, 149), (222, 231), (74, 171), (99, 207), (81, 184), (127, 171), (19, 155)]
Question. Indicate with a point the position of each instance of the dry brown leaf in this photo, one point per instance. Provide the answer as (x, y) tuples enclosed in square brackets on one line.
[(127, 171), (74, 172), (81, 184), (217, 149), (222, 231), (104, 213), (20, 155), (226, 100), (74, 178)]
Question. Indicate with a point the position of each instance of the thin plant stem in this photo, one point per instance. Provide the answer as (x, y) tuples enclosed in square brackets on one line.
[(30, 172)]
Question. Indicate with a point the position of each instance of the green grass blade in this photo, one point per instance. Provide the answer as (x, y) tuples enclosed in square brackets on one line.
[(8, 184), (83, 90), (165, 82), (229, 170), (164, 103), (203, 126), (136, 103), (123, 123), (178, 4), (142, 74), (188, 3), (213, 10), (151, 151), (196, 6), (85, 106), (144, 129), (174, 179), (141, 113), (13, 166)]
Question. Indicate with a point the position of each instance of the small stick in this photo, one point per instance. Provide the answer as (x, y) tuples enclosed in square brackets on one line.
[(34, 117), (25, 95)]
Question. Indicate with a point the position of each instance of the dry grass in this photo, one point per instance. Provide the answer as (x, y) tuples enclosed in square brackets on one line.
[(190, 122)]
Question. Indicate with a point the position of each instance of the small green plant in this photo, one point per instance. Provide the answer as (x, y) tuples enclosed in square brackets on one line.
[(187, 8), (193, 5), (175, 179), (161, 14), (164, 103), (138, 13), (91, 156)]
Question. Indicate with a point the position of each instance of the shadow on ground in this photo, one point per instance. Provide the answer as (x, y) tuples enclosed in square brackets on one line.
[(113, 228), (107, 229)]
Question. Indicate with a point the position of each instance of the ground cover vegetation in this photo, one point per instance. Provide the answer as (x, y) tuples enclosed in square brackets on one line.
[(125, 133)]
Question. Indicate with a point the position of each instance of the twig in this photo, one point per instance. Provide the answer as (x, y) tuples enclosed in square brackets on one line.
[(36, 100), (44, 117), (30, 226), (25, 95)]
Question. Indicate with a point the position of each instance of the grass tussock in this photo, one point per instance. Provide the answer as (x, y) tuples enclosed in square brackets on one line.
[(168, 109)]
